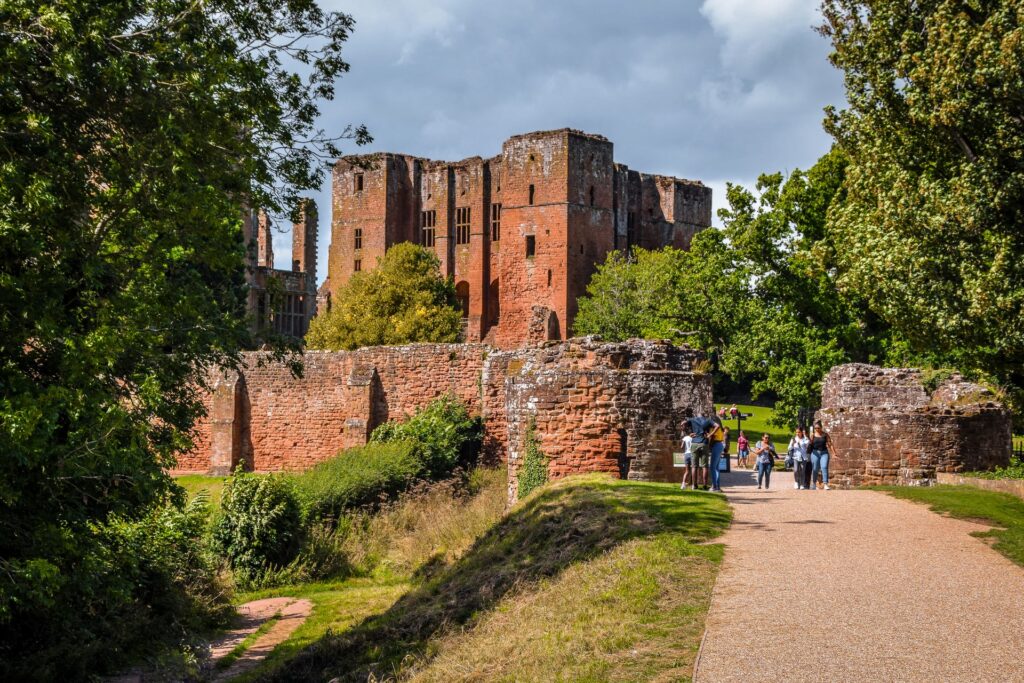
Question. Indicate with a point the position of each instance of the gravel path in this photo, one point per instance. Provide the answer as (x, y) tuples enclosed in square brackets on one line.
[(857, 586), (291, 613)]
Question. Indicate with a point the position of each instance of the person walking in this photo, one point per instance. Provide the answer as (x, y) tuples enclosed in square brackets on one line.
[(764, 456), (742, 451), (821, 447), (717, 436), (799, 447), (687, 456)]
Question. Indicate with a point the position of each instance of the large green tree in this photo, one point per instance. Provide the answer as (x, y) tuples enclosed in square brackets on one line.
[(132, 132), (930, 231), (401, 301)]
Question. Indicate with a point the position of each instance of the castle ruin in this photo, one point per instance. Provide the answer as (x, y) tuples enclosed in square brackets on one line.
[(520, 233)]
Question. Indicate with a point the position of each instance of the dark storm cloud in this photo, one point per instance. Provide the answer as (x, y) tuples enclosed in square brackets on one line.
[(717, 91)]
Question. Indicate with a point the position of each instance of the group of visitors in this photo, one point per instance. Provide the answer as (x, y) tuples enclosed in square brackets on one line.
[(705, 441)]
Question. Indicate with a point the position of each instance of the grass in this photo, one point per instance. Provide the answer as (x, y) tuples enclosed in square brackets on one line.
[(755, 426), (194, 483), (590, 578), (240, 649), (1003, 511)]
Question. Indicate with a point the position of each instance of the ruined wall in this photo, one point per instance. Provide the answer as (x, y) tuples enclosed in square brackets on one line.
[(288, 423), (598, 406), (602, 407), (887, 428)]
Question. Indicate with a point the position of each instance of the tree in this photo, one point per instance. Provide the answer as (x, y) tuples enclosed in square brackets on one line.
[(934, 130), (403, 300), (134, 132)]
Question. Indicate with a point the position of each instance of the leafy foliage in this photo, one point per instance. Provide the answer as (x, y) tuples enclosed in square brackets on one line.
[(358, 477), (534, 471), (934, 130), (403, 300), (133, 132), (444, 434), (260, 526)]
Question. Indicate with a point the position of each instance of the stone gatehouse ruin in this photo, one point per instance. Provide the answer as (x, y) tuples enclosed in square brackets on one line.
[(598, 407), (520, 233), (889, 428)]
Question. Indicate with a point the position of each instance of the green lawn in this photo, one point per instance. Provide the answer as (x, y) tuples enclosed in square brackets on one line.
[(634, 556), (1003, 511), (193, 483), (755, 426)]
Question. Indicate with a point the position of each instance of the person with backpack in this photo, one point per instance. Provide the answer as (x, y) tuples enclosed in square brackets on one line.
[(799, 450), (764, 456), (821, 447)]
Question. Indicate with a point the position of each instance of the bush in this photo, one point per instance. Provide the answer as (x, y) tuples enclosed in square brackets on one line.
[(260, 527), (534, 471), (358, 477), (138, 588), (445, 435)]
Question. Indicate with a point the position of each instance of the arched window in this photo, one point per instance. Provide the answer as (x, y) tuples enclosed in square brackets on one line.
[(462, 295), (494, 303)]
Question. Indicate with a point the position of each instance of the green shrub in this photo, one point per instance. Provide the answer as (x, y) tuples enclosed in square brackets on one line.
[(136, 589), (445, 435), (534, 471), (358, 477), (260, 527)]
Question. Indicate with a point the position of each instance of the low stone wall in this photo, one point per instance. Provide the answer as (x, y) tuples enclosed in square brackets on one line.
[(613, 407), (887, 429), (1014, 487), (602, 407)]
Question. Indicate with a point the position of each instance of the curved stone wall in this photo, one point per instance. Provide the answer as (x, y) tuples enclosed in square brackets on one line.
[(602, 407), (887, 428)]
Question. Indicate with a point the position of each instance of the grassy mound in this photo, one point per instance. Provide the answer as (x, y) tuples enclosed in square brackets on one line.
[(591, 578)]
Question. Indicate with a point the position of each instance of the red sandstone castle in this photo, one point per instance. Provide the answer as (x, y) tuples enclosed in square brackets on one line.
[(520, 233)]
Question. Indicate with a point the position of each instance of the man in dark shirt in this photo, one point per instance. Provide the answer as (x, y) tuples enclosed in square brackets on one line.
[(700, 447)]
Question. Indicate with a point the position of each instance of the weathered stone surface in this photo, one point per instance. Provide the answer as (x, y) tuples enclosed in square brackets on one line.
[(602, 407), (614, 407), (887, 429), (521, 233)]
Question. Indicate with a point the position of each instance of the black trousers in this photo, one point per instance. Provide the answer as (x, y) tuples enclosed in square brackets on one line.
[(802, 473)]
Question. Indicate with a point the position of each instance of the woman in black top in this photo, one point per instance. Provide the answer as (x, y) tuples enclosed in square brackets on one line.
[(821, 447)]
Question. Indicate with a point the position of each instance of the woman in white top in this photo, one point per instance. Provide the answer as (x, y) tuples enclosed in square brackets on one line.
[(798, 450)]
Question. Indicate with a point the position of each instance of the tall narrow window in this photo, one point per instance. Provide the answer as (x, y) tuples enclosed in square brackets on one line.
[(495, 222), (428, 219), (531, 246), (532, 192), (549, 278), (462, 225), (359, 238), (592, 195), (358, 182), (357, 265)]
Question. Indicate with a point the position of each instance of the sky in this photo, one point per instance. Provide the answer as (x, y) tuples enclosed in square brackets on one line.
[(712, 90)]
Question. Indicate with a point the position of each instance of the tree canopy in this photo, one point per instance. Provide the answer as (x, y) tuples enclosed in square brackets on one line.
[(930, 226), (134, 133), (403, 300)]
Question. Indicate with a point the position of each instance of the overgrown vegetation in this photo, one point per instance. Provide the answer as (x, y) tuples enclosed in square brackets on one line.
[(358, 477), (404, 299), (533, 473), (443, 433), (1014, 470), (637, 548), (1003, 511), (135, 135), (260, 526)]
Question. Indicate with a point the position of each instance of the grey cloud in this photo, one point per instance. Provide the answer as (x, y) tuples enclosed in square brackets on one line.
[(711, 91)]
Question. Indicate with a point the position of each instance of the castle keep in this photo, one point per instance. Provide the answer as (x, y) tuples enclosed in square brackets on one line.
[(520, 233)]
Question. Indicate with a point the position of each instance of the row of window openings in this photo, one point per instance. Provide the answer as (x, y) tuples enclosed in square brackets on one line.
[(358, 187), (531, 250)]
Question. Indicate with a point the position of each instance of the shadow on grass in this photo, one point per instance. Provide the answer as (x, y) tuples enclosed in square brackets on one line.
[(561, 525)]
